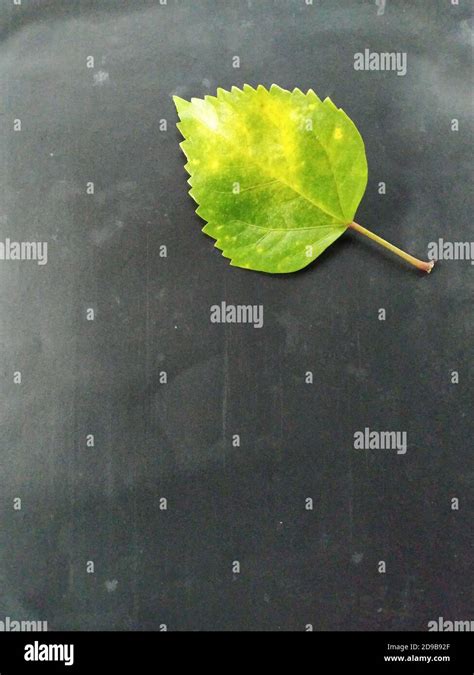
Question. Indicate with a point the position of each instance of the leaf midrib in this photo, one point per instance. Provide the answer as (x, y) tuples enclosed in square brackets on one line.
[(288, 229), (284, 182)]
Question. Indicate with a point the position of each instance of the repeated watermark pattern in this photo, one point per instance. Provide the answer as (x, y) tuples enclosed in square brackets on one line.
[(451, 250), (24, 250), (392, 61), (227, 313), (381, 440), (444, 626), (9, 625)]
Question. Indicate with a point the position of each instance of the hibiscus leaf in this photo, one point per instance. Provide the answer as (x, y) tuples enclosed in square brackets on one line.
[(277, 175)]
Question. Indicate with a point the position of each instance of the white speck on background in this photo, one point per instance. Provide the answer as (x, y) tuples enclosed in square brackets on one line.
[(101, 77)]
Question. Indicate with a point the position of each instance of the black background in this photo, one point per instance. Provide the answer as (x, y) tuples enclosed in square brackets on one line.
[(174, 567)]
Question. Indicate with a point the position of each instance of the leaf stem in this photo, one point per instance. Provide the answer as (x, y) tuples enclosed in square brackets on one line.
[(419, 264)]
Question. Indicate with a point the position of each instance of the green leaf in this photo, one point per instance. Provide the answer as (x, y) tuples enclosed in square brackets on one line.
[(277, 175)]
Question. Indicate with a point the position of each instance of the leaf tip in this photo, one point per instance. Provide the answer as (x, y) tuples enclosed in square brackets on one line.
[(180, 103)]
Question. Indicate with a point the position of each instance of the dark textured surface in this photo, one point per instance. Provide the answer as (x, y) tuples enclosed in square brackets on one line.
[(173, 567)]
